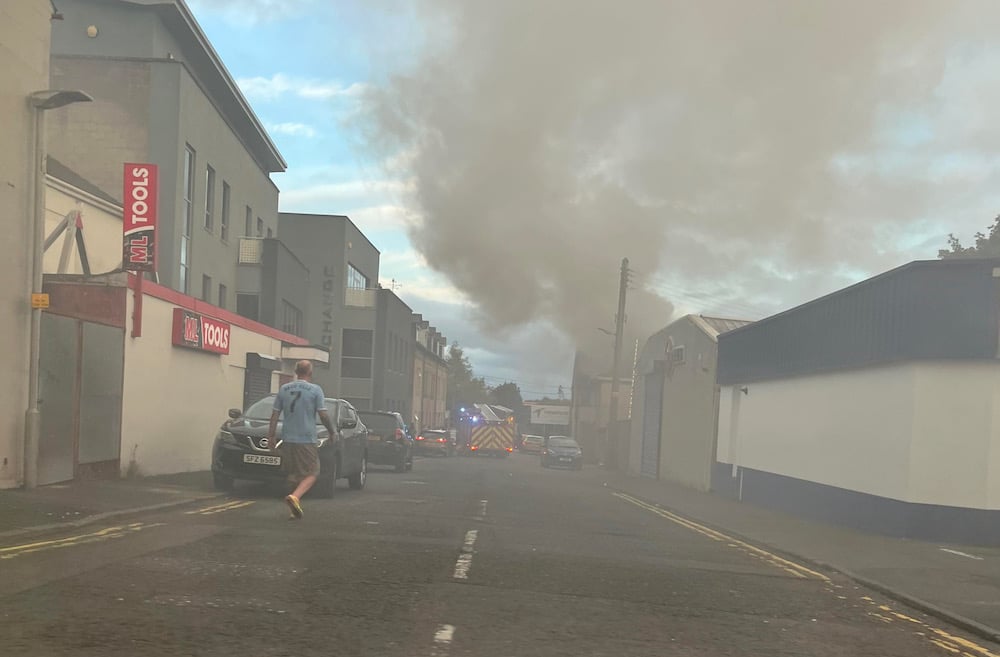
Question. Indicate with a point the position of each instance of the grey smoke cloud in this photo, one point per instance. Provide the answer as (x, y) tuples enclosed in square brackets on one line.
[(767, 147)]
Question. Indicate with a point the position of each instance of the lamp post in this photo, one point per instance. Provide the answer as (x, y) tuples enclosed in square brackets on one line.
[(40, 102)]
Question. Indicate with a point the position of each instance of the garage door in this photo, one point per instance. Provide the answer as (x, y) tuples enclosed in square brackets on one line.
[(652, 415)]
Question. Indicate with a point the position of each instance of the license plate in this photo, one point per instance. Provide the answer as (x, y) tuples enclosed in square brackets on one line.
[(374, 438), (262, 460), (565, 460)]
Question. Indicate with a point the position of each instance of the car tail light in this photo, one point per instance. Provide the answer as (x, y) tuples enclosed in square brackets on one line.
[(420, 437), (510, 449), (442, 440), (474, 448), (400, 435)]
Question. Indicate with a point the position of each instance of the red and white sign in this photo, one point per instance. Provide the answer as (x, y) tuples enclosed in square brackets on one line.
[(139, 217), (196, 331)]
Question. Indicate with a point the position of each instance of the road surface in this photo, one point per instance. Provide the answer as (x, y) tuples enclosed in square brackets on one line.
[(461, 557)]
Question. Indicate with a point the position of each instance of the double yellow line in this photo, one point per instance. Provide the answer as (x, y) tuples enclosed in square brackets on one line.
[(951, 643), (105, 534), (956, 645), (790, 567), (219, 508)]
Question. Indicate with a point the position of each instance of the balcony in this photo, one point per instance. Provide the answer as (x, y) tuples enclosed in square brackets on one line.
[(251, 250), (359, 298)]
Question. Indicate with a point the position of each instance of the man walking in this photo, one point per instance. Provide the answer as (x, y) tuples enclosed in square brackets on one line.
[(299, 402)]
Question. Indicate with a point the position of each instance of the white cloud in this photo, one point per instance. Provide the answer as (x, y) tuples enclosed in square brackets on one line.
[(281, 85), (368, 200), (292, 129)]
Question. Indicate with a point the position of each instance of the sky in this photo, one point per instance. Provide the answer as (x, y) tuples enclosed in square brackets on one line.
[(504, 157)]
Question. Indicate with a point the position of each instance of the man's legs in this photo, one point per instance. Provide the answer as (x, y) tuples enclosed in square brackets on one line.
[(304, 486)]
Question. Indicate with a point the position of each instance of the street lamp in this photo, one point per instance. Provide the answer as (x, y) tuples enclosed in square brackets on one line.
[(40, 101)]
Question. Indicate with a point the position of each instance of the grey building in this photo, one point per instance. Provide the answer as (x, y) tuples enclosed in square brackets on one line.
[(394, 350), (272, 285), (675, 407), (163, 96), (341, 303)]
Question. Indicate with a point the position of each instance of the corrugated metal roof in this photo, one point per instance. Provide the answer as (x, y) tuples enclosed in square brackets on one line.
[(927, 309), (722, 325)]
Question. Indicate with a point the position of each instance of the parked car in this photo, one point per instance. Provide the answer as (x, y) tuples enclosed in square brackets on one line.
[(533, 444), (435, 441), (562, 452), (389, 440), (242, 450)]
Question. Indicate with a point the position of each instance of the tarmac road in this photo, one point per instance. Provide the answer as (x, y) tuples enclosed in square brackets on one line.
[(461, 557)]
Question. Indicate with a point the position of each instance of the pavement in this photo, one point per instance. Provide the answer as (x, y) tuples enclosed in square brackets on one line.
[(463, 557), (48, 508)]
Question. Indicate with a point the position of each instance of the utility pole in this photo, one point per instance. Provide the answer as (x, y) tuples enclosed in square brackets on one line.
[(612, 456)]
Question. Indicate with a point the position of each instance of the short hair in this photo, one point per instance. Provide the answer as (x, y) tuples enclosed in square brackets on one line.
[(303, 368)]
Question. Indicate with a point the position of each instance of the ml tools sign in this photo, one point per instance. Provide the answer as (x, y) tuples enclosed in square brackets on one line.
[(196, 331), (139, 217)]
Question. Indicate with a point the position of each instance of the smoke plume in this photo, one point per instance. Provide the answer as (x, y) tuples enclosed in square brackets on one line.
[(728, 146)]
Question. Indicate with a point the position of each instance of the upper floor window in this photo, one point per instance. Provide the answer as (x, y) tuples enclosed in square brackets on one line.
[(187, 221), (291, 318), (209, 198), (260, 227), (355, 279), (248, 223), (224, 224)]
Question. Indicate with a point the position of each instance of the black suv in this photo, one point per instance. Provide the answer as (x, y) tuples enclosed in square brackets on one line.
[(389, 441), (241, 450)]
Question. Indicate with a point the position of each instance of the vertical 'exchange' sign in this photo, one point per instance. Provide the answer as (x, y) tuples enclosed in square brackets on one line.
[(139, 217)]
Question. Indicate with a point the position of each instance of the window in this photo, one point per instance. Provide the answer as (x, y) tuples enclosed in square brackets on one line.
[(248, 305), (224, 226), (291, 318), (209, 198), (260, 227), (356, 362), (355, 279), (248, 223), (187, 207), (223, 294), (270, 233), (206, 288)]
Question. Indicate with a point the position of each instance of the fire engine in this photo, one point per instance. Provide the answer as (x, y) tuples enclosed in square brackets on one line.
[(486, 429)]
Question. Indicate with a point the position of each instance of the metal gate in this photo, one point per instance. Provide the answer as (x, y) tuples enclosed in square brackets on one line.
[(652, 422), (80, 392)]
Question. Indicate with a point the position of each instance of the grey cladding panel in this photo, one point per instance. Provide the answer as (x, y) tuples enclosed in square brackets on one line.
[(923, 310)]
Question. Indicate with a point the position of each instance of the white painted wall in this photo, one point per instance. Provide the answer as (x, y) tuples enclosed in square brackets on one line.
[(848, 429), (924, 432), (102, 229), (176, 399), (24, 51)]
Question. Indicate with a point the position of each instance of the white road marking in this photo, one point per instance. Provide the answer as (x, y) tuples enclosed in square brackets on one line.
[(444, 634), (465, 559), (442, 640), (482, 508), (961, 554), (416, 483)]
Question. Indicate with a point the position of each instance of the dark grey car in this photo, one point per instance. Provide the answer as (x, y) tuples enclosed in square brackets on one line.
[(242, 452), (562, 452)]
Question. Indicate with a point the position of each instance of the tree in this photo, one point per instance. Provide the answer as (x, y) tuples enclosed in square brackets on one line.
[(463, 386), (507, 394), (986, 244)]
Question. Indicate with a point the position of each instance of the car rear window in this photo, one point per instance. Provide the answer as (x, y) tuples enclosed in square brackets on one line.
[(562, 442), (380, 423)]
